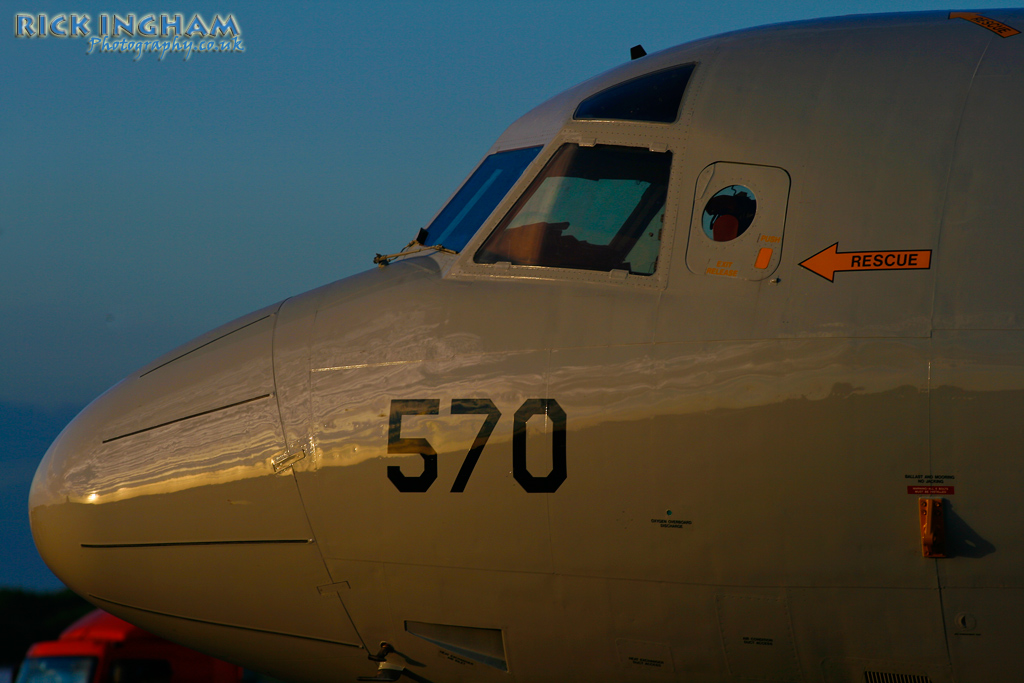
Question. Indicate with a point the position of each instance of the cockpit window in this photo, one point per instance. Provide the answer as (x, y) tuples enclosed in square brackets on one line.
[(729, 213), (477, 197), (591, 208), (57, 670), (654, 97)]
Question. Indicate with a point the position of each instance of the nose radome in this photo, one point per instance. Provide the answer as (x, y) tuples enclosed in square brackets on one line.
[(161, 496), (202, 416), (49, 502)]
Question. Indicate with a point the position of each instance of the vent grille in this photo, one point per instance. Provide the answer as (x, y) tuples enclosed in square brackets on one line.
[(882, 677)]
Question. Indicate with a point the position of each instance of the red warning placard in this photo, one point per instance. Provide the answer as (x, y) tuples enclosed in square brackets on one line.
[(930, 490)]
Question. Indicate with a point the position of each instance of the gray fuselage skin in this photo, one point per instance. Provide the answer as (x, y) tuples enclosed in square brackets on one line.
[(742, 446)]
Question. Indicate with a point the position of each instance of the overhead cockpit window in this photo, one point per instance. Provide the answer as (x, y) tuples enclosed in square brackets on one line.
[(477, 197), (654, 97), (591, 208)]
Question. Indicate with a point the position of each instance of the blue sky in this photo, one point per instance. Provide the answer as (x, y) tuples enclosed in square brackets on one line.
[(145, 202)]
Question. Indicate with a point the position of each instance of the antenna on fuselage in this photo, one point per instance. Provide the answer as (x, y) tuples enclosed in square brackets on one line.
[(637, 51)]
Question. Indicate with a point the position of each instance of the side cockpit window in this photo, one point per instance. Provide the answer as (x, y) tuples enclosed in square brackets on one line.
[(591, 208), (476, 199), (653, 97)]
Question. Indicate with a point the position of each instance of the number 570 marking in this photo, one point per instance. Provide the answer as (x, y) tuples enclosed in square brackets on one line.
[(477, 406)]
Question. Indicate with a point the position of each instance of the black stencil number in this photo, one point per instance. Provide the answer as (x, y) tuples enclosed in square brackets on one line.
[(474, 406), (398, 445), (554, 412), (477, 406)]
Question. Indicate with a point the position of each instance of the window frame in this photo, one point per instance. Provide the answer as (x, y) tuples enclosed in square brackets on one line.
[(465, 266), (476, 169), (598, 250), (659, 137), (692, 66)]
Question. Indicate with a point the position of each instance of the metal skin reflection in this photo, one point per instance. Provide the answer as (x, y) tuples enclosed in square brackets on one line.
[(737, 447)]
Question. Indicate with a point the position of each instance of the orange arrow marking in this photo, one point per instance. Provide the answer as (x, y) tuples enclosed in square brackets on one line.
[(997, 27), (828, 262)]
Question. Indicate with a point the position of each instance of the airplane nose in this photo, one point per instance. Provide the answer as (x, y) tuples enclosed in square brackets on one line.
[(51, 508), (162, 501), (201, 419)]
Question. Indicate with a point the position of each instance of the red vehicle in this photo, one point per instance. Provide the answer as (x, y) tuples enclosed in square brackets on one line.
[(100, 648)]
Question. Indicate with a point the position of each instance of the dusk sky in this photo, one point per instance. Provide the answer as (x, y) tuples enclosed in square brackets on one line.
[(145, 202)]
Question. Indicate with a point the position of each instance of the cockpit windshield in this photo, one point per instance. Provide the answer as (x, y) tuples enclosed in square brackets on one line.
[(57, 670), (477, 197), (591, 208)]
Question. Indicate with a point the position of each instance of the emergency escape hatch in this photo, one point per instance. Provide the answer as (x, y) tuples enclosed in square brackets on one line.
[(738, 221)]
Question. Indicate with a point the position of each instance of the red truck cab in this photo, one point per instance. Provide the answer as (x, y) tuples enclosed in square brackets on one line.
[(100, 648)]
